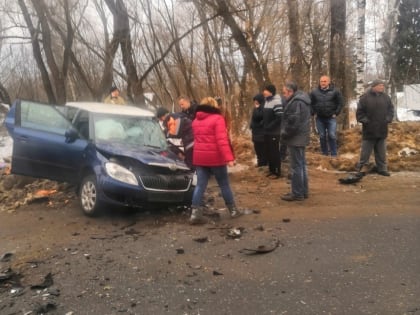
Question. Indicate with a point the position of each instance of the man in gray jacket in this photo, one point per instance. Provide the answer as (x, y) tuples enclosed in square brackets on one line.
[(295, 132)]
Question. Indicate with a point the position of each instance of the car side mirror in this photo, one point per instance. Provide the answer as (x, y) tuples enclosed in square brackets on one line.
[(71, 135)]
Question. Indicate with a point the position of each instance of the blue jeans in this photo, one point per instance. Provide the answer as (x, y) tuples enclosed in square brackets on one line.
[(222, 178), (298, 171), (327, 129)]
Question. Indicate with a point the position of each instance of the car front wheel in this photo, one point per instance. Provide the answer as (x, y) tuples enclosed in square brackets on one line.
[(88, 196)]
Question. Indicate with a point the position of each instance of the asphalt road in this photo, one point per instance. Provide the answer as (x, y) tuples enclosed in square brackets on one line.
[(345, 252)]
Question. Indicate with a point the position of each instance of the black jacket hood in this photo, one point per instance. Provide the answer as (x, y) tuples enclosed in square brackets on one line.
[(208, 109)]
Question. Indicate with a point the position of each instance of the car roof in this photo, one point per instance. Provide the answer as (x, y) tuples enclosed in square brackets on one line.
[(103, 108)]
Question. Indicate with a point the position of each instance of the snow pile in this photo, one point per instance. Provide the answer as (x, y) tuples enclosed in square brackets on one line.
[(6, 143)]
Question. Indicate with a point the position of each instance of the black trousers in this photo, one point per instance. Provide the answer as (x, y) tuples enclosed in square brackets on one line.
[(272, 152), (259, 148)]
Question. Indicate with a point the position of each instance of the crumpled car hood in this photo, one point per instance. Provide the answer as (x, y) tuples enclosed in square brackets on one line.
[(146, 155)]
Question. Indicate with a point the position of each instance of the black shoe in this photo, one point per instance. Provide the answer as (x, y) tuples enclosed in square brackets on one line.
[(383, 173), (290, 197)]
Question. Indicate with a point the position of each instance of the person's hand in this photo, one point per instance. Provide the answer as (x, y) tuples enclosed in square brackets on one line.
[(231, 163)]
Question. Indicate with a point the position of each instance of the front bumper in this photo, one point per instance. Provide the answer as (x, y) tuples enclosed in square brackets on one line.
[(159, 189)]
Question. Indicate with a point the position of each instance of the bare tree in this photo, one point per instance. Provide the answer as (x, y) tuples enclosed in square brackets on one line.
[(388, 48), (169, 47), (54, 80), (224, 10), (297, 67), (318, 25), (360, 47), (4, 95), (338, 52)]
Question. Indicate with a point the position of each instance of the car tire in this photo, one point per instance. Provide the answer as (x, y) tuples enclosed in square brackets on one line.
[(88, 196)]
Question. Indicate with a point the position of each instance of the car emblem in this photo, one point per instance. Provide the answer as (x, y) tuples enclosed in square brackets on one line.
[(173, 167)]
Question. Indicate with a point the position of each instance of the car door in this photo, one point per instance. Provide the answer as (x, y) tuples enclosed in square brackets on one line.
[(40, 146)]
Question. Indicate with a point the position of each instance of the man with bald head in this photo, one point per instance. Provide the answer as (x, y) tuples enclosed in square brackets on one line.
[(326, 104)]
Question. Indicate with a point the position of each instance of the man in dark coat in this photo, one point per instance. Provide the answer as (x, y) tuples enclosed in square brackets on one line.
[(295, 132), (375, 111), (326, 104)]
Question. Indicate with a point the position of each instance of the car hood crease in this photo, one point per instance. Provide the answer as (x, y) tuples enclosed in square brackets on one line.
[(150, 156)]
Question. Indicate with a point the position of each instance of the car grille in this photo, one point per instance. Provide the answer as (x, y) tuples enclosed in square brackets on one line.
[(166, 183), (164, 197)]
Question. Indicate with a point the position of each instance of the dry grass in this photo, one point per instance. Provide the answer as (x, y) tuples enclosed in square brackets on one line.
[(403, 149)]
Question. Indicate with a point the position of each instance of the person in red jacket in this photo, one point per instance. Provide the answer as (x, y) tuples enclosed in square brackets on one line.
[(212, 154)]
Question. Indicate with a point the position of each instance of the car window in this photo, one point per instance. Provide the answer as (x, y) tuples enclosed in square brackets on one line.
[(81, 123), (138, 131), (68, 111), (109, 129), (42, 117)]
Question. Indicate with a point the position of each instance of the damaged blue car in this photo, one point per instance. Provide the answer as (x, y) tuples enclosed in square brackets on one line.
[(114, 154)]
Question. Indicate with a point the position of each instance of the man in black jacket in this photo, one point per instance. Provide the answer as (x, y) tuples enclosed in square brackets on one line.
[(257, 129), (188, 107), (375, 111), (326, 104), (272, 113)]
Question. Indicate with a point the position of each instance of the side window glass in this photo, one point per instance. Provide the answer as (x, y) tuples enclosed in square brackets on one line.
[(43, 117), (67, 111), (81, 123)]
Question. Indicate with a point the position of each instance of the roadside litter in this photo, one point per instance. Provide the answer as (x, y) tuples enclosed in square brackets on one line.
[(261, 249)]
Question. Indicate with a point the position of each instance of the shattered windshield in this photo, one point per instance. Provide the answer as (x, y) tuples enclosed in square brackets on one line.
[(134, 130)]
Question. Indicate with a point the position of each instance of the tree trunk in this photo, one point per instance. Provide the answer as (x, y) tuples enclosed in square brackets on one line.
[(338, 54), (360, 48), (388, 50), (111, 47), (296, 56), (135, 90), (4, 95), (36, 49), (318, 36)]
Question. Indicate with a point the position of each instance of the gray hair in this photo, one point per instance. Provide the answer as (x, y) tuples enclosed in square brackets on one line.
[(291, 86)]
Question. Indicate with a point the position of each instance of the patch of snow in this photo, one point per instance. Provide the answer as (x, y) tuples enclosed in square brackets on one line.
[(407, 151), (6, 142), (6, 145), (405, 114)]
